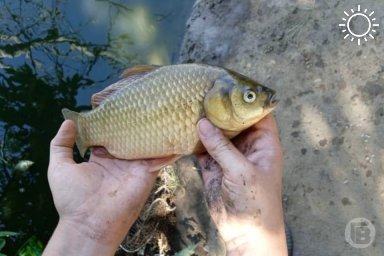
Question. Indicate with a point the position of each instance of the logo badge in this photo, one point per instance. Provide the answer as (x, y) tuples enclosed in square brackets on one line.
[(367, 21), (360, 233)]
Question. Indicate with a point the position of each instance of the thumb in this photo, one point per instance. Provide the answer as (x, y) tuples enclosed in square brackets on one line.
[(62, 144), (220, 147)]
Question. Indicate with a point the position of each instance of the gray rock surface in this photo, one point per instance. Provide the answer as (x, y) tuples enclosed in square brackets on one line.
[(331, 114), (194, 225)]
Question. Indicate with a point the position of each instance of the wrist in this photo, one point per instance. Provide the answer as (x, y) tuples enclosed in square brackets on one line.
[(244, 237), (70, 238)]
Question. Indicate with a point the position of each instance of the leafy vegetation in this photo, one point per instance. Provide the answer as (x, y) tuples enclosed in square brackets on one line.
[(45, 62), (3, 235), (32, 247)]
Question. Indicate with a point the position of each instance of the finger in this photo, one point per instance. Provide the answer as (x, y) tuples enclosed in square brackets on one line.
[(270, 133), (265, 129), (268, 123), (207, 163), (61, 149), (266, 149), (210, 170), (219, 147)]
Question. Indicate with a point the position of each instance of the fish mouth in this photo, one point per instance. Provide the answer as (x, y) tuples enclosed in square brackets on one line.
[(271, 101)]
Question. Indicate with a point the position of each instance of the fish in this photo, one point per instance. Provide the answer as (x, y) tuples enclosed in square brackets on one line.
[(152, 112)]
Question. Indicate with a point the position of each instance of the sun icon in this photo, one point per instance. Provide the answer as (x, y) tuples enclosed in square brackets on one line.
[(369, 20)]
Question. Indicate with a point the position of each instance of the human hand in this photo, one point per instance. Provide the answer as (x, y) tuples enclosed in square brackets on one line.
[(98, 200), (243, 183)]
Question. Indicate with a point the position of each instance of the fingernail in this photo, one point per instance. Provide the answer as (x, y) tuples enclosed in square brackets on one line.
[(206, 128)]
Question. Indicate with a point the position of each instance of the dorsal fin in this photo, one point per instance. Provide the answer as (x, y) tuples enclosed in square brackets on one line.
[(139, 70), (129, 75), (97, 98)]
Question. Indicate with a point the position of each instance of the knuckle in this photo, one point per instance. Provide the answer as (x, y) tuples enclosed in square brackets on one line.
[(53, 144), (220, 146)]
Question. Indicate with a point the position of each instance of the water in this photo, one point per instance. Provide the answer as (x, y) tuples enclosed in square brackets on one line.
[(56, 54)]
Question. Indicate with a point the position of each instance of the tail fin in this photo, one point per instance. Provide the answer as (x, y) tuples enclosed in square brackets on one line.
[(74, 116)]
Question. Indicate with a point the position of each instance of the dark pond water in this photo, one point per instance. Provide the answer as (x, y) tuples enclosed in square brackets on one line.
[(55, 54)]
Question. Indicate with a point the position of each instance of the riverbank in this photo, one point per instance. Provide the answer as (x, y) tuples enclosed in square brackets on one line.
[(331, 114)]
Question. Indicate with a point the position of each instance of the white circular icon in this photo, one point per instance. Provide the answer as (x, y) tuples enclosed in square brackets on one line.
[(369, 21), (360, 233)]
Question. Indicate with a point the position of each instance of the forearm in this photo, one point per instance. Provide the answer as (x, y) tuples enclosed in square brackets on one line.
[(71, 239)]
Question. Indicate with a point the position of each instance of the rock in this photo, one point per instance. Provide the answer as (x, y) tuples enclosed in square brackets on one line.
[(331, 91)]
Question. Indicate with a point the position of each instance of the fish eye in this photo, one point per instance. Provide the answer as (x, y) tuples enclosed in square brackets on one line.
[(249, 96)]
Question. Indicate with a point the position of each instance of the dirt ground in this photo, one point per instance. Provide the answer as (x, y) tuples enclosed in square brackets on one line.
[(331, 110)]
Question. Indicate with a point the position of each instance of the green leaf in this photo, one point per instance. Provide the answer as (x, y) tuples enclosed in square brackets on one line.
[(32, 247), (190, 250), (2, 254), (8, 233), (2, 244)]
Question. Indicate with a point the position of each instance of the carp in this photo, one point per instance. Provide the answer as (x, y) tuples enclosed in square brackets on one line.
[(153, 111)]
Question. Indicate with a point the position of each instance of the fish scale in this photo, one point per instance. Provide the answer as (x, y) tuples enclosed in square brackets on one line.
[(153, 114), (144, 136)]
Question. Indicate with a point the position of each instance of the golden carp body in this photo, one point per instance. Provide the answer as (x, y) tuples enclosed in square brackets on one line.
[(154, 110)]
